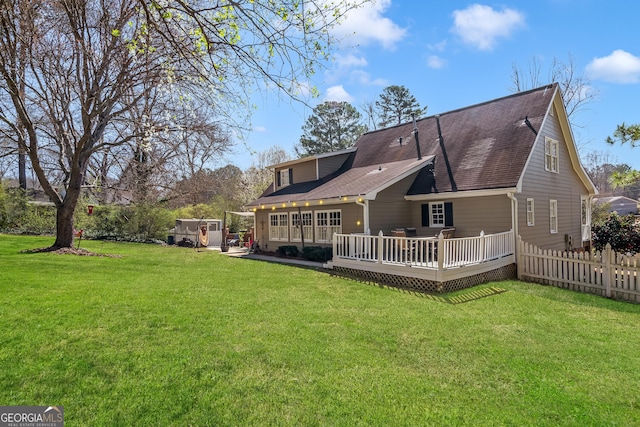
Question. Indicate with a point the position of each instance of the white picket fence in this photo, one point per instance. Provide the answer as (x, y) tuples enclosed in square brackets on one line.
[(605, 273)]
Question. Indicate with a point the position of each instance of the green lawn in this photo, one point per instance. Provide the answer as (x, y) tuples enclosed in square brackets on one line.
[(166, 336)]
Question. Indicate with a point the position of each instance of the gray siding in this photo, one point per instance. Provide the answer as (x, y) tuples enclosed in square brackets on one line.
[(470, 216), (302, 172), (390, 210), (543, 186), (490, 214), (328, 165)]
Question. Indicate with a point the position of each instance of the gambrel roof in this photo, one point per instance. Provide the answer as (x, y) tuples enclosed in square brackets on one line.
[(481, 147)]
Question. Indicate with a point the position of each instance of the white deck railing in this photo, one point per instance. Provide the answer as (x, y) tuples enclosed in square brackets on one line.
[(424, 252)]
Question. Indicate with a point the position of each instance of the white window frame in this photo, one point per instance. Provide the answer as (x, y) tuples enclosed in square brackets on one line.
[(585, 217), (551, 156), (436, 214), (553, 216), (284, 177), (531, 219), (307, 226), (279, 226), (327, 223)]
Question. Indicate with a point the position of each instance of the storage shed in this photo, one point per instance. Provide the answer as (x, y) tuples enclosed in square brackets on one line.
[(206, 231)]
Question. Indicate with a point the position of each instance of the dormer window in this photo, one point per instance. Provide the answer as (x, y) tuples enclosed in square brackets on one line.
[(285, 177)]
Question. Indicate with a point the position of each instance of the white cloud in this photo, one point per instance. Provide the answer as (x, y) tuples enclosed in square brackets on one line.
[(438, 47), (367, 24), (350, 60), (260, 129), (434, 61), (481, 26), (364, 78), (619, 67), (337, 93)]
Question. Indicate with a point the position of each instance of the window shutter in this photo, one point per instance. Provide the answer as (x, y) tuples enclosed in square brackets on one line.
[(448, 214), (425, 215), (278, 177), (290, 176)]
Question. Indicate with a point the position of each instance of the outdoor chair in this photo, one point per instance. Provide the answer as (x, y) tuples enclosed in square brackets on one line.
[(448, 233), (403, 244)]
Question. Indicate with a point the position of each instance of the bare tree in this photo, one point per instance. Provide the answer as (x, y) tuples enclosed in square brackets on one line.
[(371, 114), (260, 175), (90, 63), (576, 88)]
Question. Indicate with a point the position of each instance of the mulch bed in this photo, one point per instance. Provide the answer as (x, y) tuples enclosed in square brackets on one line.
[(69, 251)]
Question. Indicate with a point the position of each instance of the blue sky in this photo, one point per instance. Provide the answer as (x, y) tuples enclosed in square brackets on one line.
[(451, 54)]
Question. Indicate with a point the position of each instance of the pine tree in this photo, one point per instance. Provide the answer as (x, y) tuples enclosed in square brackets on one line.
[(397, 105), (332, 126)]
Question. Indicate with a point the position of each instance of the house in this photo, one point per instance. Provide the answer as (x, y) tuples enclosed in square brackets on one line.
[(506, 165), (619, 204)]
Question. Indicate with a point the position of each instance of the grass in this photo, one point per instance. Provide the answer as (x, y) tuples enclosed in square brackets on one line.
[(167, 336)]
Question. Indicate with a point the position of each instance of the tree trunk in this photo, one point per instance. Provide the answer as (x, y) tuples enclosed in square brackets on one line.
[(65, 215), (22, 169), (64, 226)]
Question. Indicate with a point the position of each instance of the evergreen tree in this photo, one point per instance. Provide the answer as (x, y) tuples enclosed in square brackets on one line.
[(397, 105), (333, 126)]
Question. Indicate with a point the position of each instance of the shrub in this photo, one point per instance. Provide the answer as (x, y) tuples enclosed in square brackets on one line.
[(317, 253), (139, 222), (289, 250), (18, 216), (4, 218), (620, 232)]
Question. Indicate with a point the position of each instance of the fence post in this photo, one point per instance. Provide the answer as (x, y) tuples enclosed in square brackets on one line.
[(608, 276), (380, 247), (519, 248), (483, 247)]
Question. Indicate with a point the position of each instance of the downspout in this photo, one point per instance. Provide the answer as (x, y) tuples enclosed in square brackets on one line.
[(365, 215), (514, 227)]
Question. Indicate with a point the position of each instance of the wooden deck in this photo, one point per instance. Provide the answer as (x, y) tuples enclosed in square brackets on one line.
[(428, 259)]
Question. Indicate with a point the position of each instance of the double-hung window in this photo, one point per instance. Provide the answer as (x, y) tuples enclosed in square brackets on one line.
[(553, 216), (279, 226), (531, 220), (551, 155), (285, 177), (328, 223)]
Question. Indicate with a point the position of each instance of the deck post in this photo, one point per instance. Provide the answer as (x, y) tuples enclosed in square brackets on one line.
[(441, 253), (380, 247)]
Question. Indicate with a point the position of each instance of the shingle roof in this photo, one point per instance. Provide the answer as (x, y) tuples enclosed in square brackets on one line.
[(487, 146), (354, 181)]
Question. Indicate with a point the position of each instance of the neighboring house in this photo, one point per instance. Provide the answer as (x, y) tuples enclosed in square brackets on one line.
[(619, 204), (506, 164)]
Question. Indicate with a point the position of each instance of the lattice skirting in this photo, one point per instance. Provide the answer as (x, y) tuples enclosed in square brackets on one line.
[(428, 286)]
